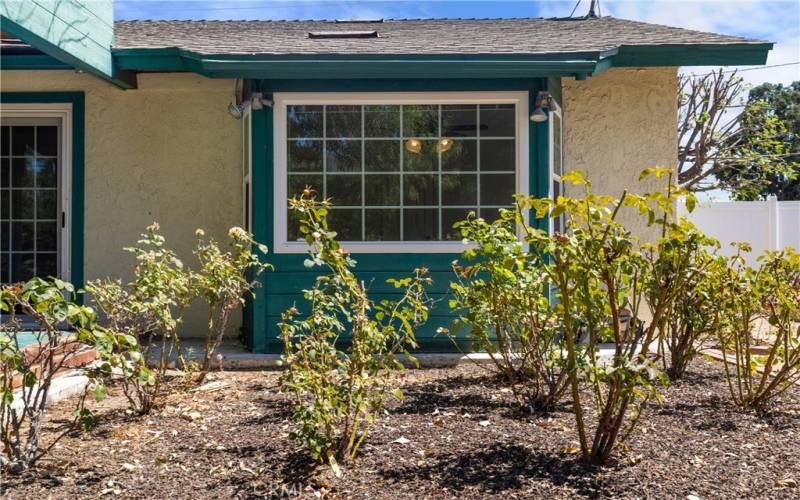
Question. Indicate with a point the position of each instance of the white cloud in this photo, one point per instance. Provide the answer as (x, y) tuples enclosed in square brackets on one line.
[(775, 21)]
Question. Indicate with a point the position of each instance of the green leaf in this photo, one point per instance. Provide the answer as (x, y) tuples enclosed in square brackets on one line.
[(100, 392), (29, 379), (6, 397), (575, 177), (691, 202)]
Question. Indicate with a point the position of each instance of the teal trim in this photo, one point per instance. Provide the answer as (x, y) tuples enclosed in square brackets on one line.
[(324, 66), (540, 162), (449, 67), (31, 62), (262, 221), (692, 55), (384, 85), (77, 235), (393, 68), (126, 56), (72, 47)]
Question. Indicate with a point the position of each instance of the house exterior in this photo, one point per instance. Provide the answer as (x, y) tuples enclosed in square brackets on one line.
[(406, 124)]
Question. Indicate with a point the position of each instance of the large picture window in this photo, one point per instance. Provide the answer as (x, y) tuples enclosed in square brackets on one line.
[(399, 170)]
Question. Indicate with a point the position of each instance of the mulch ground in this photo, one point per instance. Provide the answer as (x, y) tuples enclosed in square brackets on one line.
[(456, 434)]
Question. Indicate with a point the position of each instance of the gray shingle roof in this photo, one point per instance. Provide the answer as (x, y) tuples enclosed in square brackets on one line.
[(410, 37)]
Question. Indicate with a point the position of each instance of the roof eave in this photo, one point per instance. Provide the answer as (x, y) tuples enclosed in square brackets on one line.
[(728, 54), (398, 66), (342, 66)]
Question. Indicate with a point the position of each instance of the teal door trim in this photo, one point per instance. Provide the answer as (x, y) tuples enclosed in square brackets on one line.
[(77, 235), (261, 200)]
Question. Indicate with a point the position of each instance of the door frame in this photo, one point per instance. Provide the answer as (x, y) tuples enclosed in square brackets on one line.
[(70, 108), (63, 113)]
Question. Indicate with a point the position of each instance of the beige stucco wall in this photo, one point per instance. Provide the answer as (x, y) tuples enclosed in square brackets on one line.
[(167, 152), (618, 123)]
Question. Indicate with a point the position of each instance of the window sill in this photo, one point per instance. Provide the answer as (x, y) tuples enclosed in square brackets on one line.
[(380, 247)]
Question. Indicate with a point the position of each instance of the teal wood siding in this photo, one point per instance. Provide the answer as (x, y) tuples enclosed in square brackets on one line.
[(76, 32), (282, 288)]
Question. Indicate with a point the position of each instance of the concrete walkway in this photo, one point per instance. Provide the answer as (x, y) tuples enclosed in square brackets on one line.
[(234, 356)]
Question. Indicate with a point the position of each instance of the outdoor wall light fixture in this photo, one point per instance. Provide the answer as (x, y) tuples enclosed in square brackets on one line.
[(236, 110), (543, 100), (414, 146), (256, 102)]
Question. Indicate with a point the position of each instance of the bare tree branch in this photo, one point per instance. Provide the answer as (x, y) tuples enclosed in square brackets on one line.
[(719, 148)]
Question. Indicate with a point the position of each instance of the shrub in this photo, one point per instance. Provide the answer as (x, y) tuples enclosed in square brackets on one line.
[(761, 367), (150, 308), (223, 280), (34, 368), (683, 260), (602, 278), (502, 299), (339, 390)]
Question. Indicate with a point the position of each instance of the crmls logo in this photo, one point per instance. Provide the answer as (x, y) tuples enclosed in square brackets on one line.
[(286, 490)]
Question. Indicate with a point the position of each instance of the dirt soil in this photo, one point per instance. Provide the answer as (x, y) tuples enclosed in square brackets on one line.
[(456, 434)]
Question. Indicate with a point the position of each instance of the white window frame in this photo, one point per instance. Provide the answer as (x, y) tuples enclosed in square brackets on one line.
[(280, 176), (552, 176), (62, 112), (247, 169)]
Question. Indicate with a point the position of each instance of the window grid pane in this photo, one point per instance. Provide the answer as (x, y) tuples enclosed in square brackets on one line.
[(402, 180), (29, 186), (363, 180), (383, 202)]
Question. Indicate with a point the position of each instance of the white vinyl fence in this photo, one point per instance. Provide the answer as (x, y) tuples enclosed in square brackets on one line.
[(766, 225)]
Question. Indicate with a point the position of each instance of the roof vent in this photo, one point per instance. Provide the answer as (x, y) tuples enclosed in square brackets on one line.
[(342, 34), (358, 21)]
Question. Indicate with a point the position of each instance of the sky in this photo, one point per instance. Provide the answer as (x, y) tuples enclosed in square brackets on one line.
[(775, 20)]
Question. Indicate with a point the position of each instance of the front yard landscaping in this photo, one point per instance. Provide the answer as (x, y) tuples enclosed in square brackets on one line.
[(593, 381), (458, 433)]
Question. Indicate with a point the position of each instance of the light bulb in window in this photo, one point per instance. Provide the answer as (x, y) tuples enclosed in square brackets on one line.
[(414, 146), (444, 145)]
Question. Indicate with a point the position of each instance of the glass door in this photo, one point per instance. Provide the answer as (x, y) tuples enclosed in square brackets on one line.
[(31, 216)]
